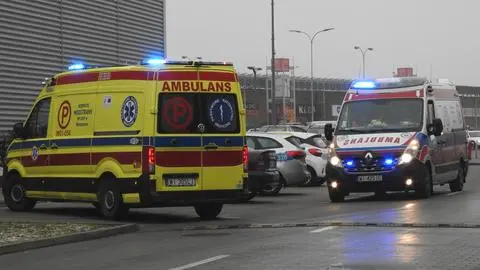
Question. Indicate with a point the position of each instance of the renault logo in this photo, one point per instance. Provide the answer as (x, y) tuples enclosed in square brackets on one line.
[(368, 155)]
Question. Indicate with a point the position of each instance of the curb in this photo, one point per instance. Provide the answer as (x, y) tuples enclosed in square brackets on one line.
[(337, 224), (67, 239)]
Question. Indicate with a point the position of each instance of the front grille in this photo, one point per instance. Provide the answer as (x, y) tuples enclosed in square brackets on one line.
[(376, 164)]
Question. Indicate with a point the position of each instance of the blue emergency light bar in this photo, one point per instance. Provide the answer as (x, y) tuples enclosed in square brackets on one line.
[(364, 85), (155, 61), (388, 83), (78, 66), (161, 61)]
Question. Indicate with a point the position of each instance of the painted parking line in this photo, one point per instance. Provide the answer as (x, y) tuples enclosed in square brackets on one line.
[(195, 264), (323, 229)]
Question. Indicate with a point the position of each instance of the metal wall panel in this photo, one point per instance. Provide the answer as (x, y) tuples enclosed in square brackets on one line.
[(39, 38)]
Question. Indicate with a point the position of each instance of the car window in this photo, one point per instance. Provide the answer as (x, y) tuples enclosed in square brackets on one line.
[(317, 141), (295, 141), (37, 123), (251, 143), (268, 143), (186, 113), (297, 129)]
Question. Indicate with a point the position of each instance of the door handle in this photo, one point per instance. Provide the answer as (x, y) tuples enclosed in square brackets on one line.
[(54, 146), (43, 147), (211, 146)]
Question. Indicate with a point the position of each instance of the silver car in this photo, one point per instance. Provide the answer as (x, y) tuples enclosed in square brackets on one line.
[(290, 159)]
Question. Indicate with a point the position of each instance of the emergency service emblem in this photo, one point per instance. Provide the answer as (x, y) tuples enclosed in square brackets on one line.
[(221, 113), (34, 153), (129, 111)]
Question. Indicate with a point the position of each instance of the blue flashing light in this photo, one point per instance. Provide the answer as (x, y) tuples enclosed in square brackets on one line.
[(388, 162), (155, 61), (349, 163), (364, 85), (78, 66)]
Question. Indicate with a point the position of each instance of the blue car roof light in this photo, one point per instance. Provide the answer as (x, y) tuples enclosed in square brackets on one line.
[(77, 66), (155, 61), (364, 85)]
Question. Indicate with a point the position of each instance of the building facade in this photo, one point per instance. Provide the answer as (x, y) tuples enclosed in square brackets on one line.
[(42, 37)]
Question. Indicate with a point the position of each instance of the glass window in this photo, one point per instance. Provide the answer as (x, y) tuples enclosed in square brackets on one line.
[(37, 123), (267, 143), (317, 141), (183, 113), (381, 115), (298, 129), (295, 141), (251, 143)]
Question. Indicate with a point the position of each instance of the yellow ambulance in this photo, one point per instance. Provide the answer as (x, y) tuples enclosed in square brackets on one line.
[(161, 133)]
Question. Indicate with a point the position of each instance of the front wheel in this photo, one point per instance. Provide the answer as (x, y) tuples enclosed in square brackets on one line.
[(208, 211), (457, 184), (425, 190), (336, 195), (15, 196)]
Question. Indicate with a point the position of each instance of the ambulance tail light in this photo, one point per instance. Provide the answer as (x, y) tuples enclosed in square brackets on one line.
[(245, 158), (148, 160)]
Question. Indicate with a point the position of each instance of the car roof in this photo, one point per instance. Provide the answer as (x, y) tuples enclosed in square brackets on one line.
[(302, 135)]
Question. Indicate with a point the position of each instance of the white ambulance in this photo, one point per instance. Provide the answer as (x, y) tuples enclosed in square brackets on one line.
[(397, 134)]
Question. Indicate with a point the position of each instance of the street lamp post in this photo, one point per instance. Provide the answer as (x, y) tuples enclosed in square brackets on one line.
[(254, 70), (312, 38), (364, 54)]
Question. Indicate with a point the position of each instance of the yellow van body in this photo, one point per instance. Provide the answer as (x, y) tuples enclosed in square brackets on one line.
[(133, 136)]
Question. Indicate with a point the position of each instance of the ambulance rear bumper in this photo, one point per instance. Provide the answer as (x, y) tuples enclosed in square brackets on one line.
[(149, 197)]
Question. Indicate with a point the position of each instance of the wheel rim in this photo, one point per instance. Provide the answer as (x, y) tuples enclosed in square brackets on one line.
[(17, 193), (269, 188), (109, 200)]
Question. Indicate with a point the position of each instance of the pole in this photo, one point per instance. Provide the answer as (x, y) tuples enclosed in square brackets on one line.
[(311, 81), (267, 107), (294, 92), (324, 108), (274, 107), (363, 56)]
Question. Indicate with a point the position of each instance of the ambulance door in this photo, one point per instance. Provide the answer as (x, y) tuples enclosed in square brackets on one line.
[(35, 151), (178, 144), (436, 145), (222, 142)]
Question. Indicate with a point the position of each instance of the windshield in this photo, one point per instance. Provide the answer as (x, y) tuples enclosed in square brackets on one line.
[(394, 115), (474, 133)]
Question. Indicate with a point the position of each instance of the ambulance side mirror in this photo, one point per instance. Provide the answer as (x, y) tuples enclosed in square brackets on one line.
[(19, 131), (328, 130)]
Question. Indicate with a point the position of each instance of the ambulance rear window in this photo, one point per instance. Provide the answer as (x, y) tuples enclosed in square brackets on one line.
[(190, 113)]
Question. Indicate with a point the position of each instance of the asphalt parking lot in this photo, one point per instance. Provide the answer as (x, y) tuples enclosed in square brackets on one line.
[(299, 229)]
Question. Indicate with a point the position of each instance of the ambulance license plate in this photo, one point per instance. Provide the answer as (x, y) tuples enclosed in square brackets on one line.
[(370, 178), (180, 181)]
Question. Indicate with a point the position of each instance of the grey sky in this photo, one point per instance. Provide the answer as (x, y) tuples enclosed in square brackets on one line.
[(417, 33)]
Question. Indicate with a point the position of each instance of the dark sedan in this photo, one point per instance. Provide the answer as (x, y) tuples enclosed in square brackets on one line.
[(262, 171)]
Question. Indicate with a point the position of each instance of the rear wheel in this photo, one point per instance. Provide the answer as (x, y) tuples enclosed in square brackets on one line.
[(110, 201), (14, 193), (457, 184), (208, 211), (425, 190)]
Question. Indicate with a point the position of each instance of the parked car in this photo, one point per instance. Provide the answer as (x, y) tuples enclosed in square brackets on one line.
[(291, 160), (474, 136), (318, 127), (262, 171), (316, 149), (283, 127)]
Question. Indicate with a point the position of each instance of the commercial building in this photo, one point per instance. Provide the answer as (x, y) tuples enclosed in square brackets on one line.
[(40, 38)]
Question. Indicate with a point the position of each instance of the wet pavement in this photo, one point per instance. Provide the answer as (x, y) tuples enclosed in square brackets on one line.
[(174, 238)]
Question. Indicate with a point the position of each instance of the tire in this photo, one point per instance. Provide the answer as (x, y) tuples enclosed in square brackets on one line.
[(426, 189), (457, 184), (208, 211), (336, 195), (110, 201), (251, 195), (15, 195), (312, 180)]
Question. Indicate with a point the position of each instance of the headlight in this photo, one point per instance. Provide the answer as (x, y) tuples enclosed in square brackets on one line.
[(335, 161), (405, 158), (411, 152)]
